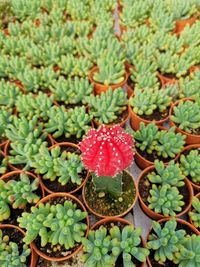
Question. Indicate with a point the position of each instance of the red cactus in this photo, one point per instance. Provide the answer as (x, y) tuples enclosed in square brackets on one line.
[(107, 151)]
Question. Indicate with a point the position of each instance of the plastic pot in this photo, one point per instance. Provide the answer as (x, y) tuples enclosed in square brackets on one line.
[(65, 144), (114, 219), (34, 256), (77, 201), (165, 80), (195, 68), (188, 148), (179, 221), (157, 216), (99, 88), (190, 220), (181, 23), (108, 217), (190, 138)]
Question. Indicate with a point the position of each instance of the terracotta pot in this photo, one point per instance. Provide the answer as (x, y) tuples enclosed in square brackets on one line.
[(99, 88), (130, 91), (179, 221), (74, 199), (104, 216), (181, 23), (122, 123), (114, 219), (56, 68), (34, 256), (190, 138), (187, 148), (165, 80), (128, 67), (123, 29), (3, 144), (136, 120), (195, 68), (9, 175), (6, 32), (190, 220), (65, 144), (157, 216), (19, 85)]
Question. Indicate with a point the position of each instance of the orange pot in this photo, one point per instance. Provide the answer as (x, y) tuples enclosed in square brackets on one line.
[(165, 80), (198, 196), (195, 68), (187, 148), (6, 32), (130, 91), (193, 229), (99, 88), (108, 217), (74, 199), (157, 216), (136, 120), (3, 144), (114, 219), (8, 176), (34, 256), (65, 144), (190, 138), (19, 85), (123, 29), (181, 23), (122, 123), (128, 67)]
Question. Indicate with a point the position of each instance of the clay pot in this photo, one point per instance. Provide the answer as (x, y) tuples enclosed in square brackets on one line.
[(157, 216), (195, 68), (99, 88), (136, 120), (108, 217), (34, 256), (191, 222), (165, 80), (19, 85), (3, 144), (128, 67), (181, 23), (8, 176), (114, 219), (188, 148), (190, 138), (179, 221), (65, 144), (77, 201)]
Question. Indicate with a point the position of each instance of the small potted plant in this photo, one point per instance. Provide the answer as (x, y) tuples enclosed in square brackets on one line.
[(60, 167), (55, 227), (13, 251), (173, 242), (18, 192), (194, 213), (114, 242), (163, 191), (110, 189), (149, 105), (153, 143), (190, 164), (109, 107), (185, 115)]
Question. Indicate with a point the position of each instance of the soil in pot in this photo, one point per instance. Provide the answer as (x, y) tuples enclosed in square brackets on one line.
[(169, 263), (157, 115), (153, 156), (73, 139), (57, 251), (17, 237), (16, 213), (108, 205), (145, 186)]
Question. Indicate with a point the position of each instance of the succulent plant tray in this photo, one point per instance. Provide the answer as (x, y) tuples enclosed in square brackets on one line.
[(100, 133)]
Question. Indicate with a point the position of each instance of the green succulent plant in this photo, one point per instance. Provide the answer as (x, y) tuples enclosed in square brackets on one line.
[(107, 106), (30, 105), (170, 174), (74, 122), (46, 221), (188, 255), (190, 34), (104, 247), (189, 88), (55, 164), (190, 165), (3, 163), (23, 9), (110, 71), (72, 91), (164, 240), (5, 119), (166, 144), (187, 115), (11, 254), (8, 94), (6, 14), (30, 79), (165, 199), (194, 214), (147, 101), (183, 9)]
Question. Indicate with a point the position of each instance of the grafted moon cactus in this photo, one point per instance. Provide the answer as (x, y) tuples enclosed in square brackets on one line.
[(107, 152)]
